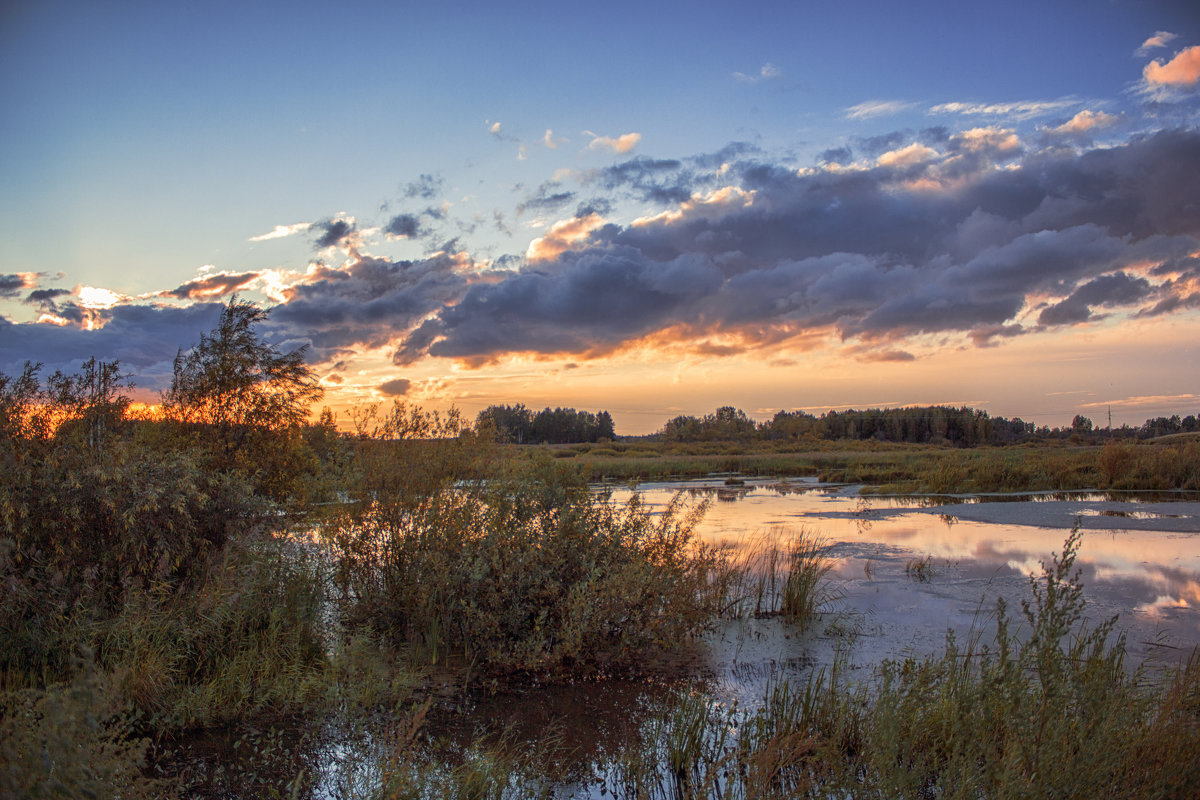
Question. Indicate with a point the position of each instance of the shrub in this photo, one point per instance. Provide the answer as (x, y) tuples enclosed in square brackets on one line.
[(538, 574)]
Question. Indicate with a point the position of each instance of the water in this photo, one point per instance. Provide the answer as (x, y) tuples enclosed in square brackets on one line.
[(1139, 559)]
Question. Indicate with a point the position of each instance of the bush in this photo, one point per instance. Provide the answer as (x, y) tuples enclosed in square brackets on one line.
[(539, 574)]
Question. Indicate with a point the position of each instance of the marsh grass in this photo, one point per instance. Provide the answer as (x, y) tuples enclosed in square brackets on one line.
[(69, 740), (920, 570), (1169, 464), (778, 573)]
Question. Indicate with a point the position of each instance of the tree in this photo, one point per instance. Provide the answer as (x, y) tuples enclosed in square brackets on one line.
[(243, 402), (1081, 424), (235, 379)]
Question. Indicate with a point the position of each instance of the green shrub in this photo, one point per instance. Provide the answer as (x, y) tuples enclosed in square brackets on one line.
[(537, 574)]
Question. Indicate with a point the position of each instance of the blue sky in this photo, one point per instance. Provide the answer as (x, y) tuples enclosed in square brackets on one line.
[(419, 159)]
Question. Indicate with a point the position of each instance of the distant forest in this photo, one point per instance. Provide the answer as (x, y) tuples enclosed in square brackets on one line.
[(963, 426)]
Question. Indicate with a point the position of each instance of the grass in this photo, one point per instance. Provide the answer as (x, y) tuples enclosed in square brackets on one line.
[(1169, 464), (920, 570), (776, 574)]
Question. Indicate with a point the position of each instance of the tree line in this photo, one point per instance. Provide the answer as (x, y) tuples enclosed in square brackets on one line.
[(961, 426), (519, 425)]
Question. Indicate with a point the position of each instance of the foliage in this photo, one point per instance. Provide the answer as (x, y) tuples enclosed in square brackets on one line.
[(517, 424), (233, 379), (243, 403), (66, 741), (537, 574), (245, 643)]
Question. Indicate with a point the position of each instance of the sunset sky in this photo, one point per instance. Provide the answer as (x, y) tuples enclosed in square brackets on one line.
[(649, 208)]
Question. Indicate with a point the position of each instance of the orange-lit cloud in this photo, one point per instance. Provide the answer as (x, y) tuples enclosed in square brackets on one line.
[(211, 286), (1182, 70), (1086, 121), (562, 237), (915, 153), (1159, 39), (621, 144)]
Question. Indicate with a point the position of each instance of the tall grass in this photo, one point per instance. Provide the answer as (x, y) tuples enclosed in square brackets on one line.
[(778, 573)]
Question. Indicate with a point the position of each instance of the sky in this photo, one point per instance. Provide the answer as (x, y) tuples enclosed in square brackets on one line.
[(647, 208)]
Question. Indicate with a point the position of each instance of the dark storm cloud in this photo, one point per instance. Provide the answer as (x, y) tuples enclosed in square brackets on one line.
[(45, 297), (370, 301), (12, 285), (404, 225), (333, 232), (145, 339), (941, 243), (212, 286), (395, 388)]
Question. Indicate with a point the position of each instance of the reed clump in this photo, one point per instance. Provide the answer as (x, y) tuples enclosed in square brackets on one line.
[(779, 573)]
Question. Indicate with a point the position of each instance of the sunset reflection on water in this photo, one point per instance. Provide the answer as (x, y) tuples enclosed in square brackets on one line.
[(1151, 578)]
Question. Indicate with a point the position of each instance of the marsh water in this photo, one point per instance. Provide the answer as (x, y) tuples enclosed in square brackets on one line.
[(906, 571)]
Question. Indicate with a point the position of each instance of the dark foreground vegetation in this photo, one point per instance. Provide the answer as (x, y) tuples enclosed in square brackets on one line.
[(228, 565)]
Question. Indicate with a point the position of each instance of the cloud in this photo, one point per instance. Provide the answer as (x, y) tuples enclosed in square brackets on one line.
[(1116, 289), (46, 297), (621, 144), (783, 256), (1159, 39), (563, 236), (494, 128), (211, 287), (370, 302), (768, 72), (1182, 70), (339, 232), (403, 226), (552, 142), (395, 388), (877, 108), (1020, 110), (282, 231), (970, 237), (549, 197), (145, 339), (14, 284), (915, 153), (1085, 122), (425, 187)]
